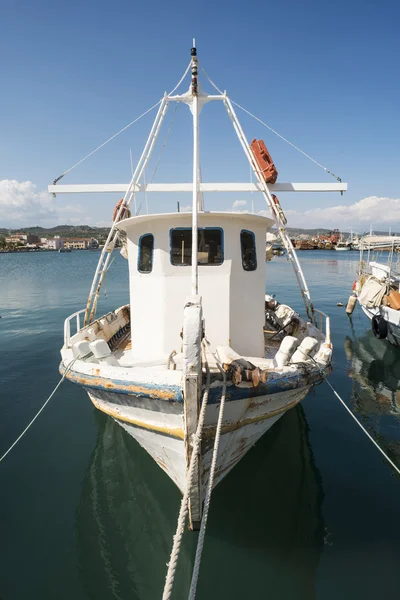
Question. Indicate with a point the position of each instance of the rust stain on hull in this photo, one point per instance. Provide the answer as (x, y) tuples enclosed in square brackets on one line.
[(173, 432), (95, 381), (229, 427)]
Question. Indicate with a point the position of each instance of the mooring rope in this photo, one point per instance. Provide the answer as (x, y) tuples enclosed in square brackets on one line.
[(207, 501), (362, 427), (68, 368), (353, 415), (272, 130), (173, 561)]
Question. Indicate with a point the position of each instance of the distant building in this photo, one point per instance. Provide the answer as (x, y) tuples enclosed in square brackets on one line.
[(77, 243), (16, 238), (55, 243), (32, 239)]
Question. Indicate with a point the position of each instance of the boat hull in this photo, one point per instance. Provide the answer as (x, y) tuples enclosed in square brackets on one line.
[(127, 516), (393, 335), (158, 426)]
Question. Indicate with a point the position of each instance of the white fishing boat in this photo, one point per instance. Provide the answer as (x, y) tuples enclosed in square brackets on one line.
[(199, 338), (342, 245), (375, 368), (372, 241), (273, 247), (377, 292)]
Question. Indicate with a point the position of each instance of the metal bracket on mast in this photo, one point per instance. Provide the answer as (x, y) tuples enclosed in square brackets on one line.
[(291, 253), (129, 195)]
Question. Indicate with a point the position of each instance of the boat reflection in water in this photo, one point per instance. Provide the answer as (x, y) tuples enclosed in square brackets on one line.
[(375, 366), (375, 371), (265, 530)]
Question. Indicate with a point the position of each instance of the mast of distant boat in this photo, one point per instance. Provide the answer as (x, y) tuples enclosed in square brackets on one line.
[(196, 170)]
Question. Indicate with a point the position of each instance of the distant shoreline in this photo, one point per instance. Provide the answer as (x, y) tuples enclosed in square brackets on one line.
[(42, 251)]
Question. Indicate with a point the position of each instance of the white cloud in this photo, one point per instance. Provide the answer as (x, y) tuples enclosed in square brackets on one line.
[(373, 210), (21, 204), (238, 204)]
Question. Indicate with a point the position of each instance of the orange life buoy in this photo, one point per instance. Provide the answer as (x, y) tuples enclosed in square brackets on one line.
[(264, 161), (125, 213), (279, 209)]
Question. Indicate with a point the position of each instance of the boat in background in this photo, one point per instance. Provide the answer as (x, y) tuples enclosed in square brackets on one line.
[(342, 245), (200, 340), (371, 241), (375, 367), (377, 292), (273, 246)]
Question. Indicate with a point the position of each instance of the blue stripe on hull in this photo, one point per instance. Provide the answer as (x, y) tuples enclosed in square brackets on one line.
[(174, 393), (274, 386)]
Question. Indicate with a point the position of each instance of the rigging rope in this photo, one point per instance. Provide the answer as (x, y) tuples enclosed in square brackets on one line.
[(273, 130), (207, 501), (156, 166), (164, 144), (106, 142), (69, 366), (123, 129), (181, 79), (169, 580)]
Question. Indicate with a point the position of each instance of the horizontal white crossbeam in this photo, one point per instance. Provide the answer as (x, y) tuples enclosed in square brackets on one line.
[(121, 188)]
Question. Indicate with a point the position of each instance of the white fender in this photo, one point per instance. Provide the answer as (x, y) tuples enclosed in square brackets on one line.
[(81, 349), (324, 354), (103, 353), (286, 349), (307, 346)]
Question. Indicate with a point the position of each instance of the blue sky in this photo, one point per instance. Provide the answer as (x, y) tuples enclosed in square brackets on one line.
[(324, 74)]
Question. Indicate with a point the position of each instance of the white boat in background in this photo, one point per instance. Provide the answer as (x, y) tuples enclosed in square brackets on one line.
[(199, 335), (269, 246), (375, 367), (273, 246), (342, 245), (377, 292), (379, 242)]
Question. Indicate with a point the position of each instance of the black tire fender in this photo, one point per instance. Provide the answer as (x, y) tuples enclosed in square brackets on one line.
[(379, 327)]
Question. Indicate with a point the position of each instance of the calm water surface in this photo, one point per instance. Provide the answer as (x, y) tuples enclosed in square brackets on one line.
[(312, 511)]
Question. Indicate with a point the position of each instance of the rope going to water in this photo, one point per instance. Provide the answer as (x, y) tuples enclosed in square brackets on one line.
[(207, 501), (354, 417), (173, 561), (362, 427), (273, 130), (68, 368)]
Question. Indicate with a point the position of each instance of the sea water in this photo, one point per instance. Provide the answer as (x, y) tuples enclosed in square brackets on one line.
[(311, 512)]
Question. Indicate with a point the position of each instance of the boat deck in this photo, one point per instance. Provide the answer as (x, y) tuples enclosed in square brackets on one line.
[(122, 352)]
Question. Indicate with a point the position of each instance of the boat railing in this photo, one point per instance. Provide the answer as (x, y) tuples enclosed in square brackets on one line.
[(67, 326), (320, 324)]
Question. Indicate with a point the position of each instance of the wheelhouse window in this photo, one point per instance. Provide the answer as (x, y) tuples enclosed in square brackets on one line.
[(248, 248), (145, 258), (210, 246)]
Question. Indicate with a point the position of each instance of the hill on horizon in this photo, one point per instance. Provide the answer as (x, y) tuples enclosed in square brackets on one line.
[(89, 231)]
